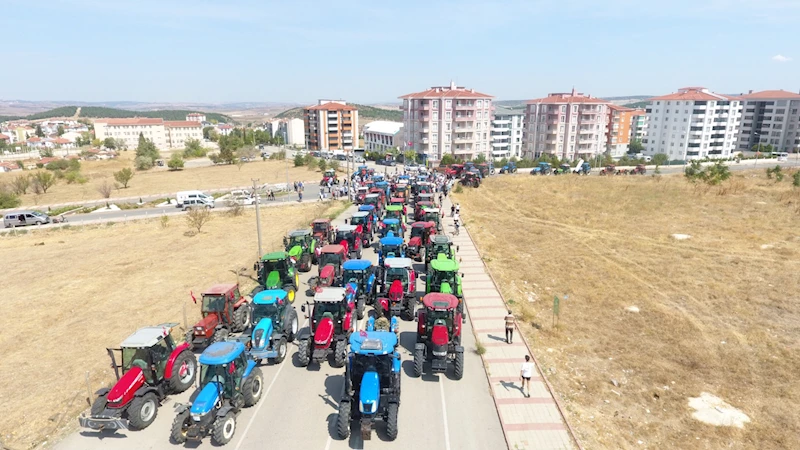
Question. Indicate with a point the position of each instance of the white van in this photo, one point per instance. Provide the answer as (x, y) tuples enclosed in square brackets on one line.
[(782, 156), (182, 196)]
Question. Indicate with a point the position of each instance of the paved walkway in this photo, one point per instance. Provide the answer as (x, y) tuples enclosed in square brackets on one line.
[(528, 423)]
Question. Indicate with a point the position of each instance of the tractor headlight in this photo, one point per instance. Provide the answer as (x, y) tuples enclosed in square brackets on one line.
[(199, 329), (368, 408), (197, 417)]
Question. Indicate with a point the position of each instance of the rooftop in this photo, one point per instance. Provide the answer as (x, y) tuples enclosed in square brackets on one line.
[(332, 105), (182, 123), (330, 294), (773, 94), (568, 97), (451, 91), (146, 337), (694, 93), (503, 111), (383, 126), (131, 121)]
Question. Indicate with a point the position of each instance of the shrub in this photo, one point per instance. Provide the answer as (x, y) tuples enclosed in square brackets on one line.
[(61, 164), (143, 163), (164, 221), (479, 348), (777, 172), (8, 199), (20, 184), (214, 157), (42, 181), (74, 176), (281, 155), (175, 162), (194, 149), (105, 189), (124, 176), (197, 218), (299, 160), (796, 179), (333, 165), (311, 162), (458, 188), (322, 164)]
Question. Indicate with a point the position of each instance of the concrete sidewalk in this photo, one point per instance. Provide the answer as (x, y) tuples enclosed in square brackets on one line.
[(528, 423)]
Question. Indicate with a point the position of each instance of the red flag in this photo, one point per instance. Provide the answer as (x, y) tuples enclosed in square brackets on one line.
[(193, 297), (362, 333)]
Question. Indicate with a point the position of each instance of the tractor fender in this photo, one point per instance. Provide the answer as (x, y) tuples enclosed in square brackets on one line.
[(144, 390), (181, 407), (172, 357), (102, 391), (458, 349), (242, 301), (226, 409), (421, 346), (305, 334), (248, 369)]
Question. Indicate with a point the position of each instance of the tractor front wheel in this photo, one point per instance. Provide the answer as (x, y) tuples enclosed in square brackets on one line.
[(143, 411), (340, 353), (183, 372), (179, 427), (391, 421), (303, 355), (360, 309), (241, 318), (343, 420), (223, 430), (252, 387), (99, 405), (282, 350), (459, 366), (419, 360), (219, 336), (409, 310), (293, 326), (291, 292)]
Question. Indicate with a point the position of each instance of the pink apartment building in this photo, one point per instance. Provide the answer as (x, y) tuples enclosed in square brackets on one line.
[(568, 125), (448, 119)]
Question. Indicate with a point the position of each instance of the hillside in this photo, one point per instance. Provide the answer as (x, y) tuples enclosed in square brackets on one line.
[(364, 112), (637, 105), (114, 113)]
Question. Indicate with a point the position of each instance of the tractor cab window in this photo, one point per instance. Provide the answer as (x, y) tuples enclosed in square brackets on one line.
[(297, 240), (160, 353), (438, 277), (358, 220), (371, 200), (218, 374), (441, 249), (354, 276), (434, 316), (393, 274), (320, 227), (270, 310), (333, 308), (329, 258), (134, 357), (344, 236), (279, 265), (391, 250), (417, 231), (213, 303)]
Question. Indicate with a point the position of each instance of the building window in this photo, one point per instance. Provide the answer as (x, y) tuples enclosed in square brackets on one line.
[(447, 137), (448, 104), (447, 115), (447, 125), (435, 136), (436, 115), (435, 148), (447, 148), (435, 125), (563, 118), (480, 103)]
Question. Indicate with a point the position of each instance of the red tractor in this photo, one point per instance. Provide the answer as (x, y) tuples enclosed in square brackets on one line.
[(420, 238), (349, 237), (329, 177), (363, 220), (399, 287), (420, 207), (322, 230), (331, 322), (638, 170), (152, 367), (439, 335), (224, 311), (331, 258), (610, 169)]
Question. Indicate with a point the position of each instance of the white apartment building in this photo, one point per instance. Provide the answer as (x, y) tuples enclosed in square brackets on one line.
[(330, 125), (507, 125), (693, 123), (770, 118), (638, 124), (294, 132), (382, 135), (568, 125), (196, 117), (164, 134), (447, 120)]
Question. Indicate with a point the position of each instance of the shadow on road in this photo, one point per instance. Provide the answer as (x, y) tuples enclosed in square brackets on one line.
[(407, 340), (510, 385), (496, 338), (103, 434)]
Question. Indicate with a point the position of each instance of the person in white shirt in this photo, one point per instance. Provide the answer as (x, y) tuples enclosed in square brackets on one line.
[(526, 372)]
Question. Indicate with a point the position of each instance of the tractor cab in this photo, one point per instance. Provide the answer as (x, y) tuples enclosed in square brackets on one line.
[(421, 233), (395, 212), (401, 191), (456, 170), (420, 207), (432, 215), (329, 177), (584, 169), (372, 384), (361, 194), (399, 287), (510, 167), (331, 322), (224, 311), (373, 212), (331, 259), (322, 230), (151, 367), (274, 325), (485, 169), (362, 219), (443, 277), (349, 237), (229, 380), (424, 187), (544, 168), (392, 225), (391, 247), (439, 334), (426, 197), (276, 270), (302, 248), (374, 199), (470, 179), (362, 170), (439, 244), (610, 169), (398, 201)]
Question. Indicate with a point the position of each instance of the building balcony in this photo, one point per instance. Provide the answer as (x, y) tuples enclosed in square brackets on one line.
[(464, 118), (463, 140), (499, 145), (501, 122), (423, 140)]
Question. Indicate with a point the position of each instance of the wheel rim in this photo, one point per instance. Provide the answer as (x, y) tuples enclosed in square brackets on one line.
[(257, 384), (290, 295), (294, 325), (186, 372), (229, 428), (246, 316), (148, 411), (282, 350)]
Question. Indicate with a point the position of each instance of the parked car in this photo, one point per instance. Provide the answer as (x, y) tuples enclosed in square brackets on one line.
[(22, 218), (197, 203)]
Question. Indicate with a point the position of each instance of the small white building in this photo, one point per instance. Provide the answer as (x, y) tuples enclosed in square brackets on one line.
[(196, 117), (295, 132), (383, 135)]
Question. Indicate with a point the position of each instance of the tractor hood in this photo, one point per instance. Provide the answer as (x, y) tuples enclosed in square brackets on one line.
[(445, 288), (415, 241), (126, 387), (324, 333), (295, 252), (370, 394), (206, 399), (208, 322), (327, 273), (439, 335), (396, 291), (273, 280), (262, 333)]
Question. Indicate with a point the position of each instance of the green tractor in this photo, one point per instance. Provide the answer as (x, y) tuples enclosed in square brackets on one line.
[(443, 277), (301, 246), (277, 270), (562, 169), (439, 244)]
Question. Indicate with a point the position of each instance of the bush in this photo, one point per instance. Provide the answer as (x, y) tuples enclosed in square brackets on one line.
[(74, 176), (8, 199), (777, 172), (796, 179), (299, 160), (175, 162), (124, 176), (311, 162), (712, 175), (20, 184), (333, 165), (61, 164), (322, 164), (194, 149), (105, 189), (197, 218), (143, 163), (42, 181), (214, 158)]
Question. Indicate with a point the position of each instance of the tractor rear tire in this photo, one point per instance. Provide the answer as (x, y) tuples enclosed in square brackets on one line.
[(143, 411), (292, 326), (99, 405), (391, 421), (303, 355), (219, 336), (178, 435), (419, 360), (343, 420), (178, 383), (224, 429), (282, 351), (409, 310), (340, 353), (241, 318), (459, 366), (360, 309), (253, 387), (305, 263)]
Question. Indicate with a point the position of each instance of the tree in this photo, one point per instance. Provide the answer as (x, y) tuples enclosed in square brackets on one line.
[(311, 162), (660, 159), (333, 165), (409, 156), (447, 159), (299, 160), (60, 130), (8, 199), (207, 132), (46, 152), (96, 142), (322, 164), (124, 176), (143, 163), (175, 162), (121, 144), (42, 181), (39, 131), (480, 159), (20, 184), (635, 146), (105, 188), (193, 148), (197, 218), (110, 142)]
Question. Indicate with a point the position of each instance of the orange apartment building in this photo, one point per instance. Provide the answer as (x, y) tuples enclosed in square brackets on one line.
[(618, 136), (331, 125)]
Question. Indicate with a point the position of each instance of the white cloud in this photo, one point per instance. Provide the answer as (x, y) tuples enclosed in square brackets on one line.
[(781, 58)]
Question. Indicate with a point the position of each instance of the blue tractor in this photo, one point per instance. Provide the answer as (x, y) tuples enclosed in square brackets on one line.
[(228, 382), (372, 384), (391, 225), (274, 325), (390, 247), (359, 277), (511, 167)]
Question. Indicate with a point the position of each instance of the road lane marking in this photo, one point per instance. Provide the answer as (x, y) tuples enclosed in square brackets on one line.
[(444, 415), (263, 400)]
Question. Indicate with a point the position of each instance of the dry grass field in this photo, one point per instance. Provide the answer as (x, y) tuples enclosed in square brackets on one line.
[(719, 312), (160, 180), (70, 293)]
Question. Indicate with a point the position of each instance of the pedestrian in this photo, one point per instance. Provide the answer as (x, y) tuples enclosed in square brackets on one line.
[(458, 208), (525, 373), (510, 322), (452, 210), (300, 195)]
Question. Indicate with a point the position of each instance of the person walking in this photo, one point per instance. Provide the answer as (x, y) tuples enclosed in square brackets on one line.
[(525, 373), (510, 322)]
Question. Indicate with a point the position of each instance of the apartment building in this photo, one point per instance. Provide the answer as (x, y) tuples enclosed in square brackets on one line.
[(164, 134), (506, 132), (618, 134), (447, 120), (382, 135), (196, 117), (331, 125), (638, 124), (569, 125), (770, 118), (295, 135), (693, 123)]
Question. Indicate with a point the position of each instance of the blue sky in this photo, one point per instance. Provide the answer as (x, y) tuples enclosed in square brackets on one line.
[(374, 51)]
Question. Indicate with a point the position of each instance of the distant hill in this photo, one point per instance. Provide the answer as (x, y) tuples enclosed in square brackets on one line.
[(637, 105), (114, 113), (364, 112)]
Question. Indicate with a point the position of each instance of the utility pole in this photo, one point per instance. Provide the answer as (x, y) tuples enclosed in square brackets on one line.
[(258, 218)]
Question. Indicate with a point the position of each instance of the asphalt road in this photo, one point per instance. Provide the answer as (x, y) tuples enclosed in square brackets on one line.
[(299, 406)]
